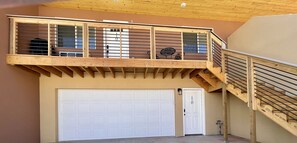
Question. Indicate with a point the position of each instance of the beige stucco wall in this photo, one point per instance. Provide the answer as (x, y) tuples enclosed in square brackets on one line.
[(267, 130), (272, 37), (268, 36), (48, 104)]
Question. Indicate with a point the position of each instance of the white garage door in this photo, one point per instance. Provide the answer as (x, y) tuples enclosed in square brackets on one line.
[(106, 114)]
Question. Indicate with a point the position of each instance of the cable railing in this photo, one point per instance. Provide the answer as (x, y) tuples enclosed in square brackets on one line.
[(48, 36), (273, 83), (217, 44)]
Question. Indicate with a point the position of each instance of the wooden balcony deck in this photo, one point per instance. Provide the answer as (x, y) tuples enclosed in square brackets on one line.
[(41, 45)]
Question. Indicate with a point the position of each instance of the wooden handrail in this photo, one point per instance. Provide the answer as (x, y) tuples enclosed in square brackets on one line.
[(276, 67), (102, 22), (256, 57)]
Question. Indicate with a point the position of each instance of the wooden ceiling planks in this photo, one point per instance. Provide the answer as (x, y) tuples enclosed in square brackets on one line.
[(227, 10)]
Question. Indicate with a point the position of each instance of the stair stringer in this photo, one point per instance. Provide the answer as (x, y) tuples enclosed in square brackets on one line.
[(279, 118), (217, 71), (237, 92)]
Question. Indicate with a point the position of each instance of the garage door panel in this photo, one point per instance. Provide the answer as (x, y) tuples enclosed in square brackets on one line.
[(107, 114), (69, 134), (68, 108), (100, 133), (98, 108), (85, 133), (140, 131)]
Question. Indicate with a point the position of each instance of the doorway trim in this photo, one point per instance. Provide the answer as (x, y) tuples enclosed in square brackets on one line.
[(203, 109)]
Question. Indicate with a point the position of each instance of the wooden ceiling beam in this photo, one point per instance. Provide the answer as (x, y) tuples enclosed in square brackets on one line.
[(111, 71), (64, 70), (89, 71), (52, 70), (124, 72), (176, 71), (240, 10), (78, 71), (101, 70), (38, 69), (156, 71), (165, 73)]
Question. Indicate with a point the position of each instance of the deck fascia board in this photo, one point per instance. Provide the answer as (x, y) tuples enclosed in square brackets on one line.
[(101, 62)]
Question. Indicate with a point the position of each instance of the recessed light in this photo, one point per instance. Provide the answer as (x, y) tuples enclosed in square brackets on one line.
[(183, 4)]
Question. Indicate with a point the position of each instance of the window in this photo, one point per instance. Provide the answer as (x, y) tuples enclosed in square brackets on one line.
[(194, 43), (71, 37), (92, 37)]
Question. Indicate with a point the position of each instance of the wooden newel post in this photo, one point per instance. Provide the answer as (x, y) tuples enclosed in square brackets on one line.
[(225, 99), (209, 47), (225, 114), (85, 40), (12, 36), (251, 100), (152, 44)]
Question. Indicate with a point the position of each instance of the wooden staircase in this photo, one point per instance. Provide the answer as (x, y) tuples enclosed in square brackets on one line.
[(271, 85), (207, 80), (278, 106)]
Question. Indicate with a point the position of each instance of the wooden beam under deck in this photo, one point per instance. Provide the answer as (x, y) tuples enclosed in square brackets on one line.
[(134, 72), (64, 70), (102, 62), (111, 71), (28, 70), (59, 70), (89, 71), (186, 73), (145, 73), (101, 70), (38, 69), (78, 71), (68, 65), (165, 73), (124, 72), (156, 71), (175, 72), (52, 70)]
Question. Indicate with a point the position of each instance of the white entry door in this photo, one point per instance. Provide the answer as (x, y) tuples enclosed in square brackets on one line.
[(193, 111), (108, 114)]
